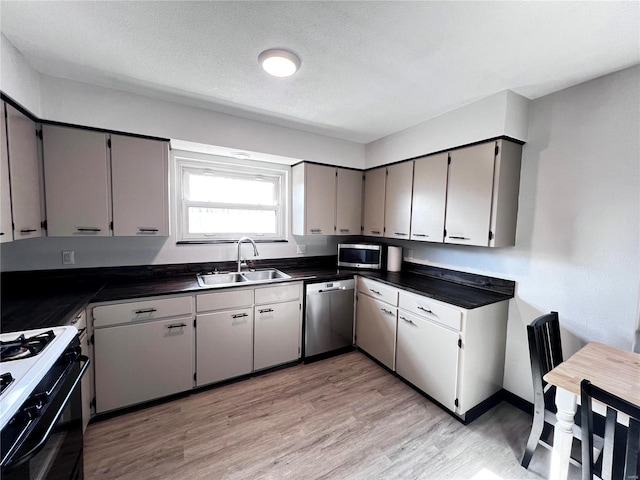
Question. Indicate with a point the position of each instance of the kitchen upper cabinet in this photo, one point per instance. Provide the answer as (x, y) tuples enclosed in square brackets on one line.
[(397, 208), (429, 198), (24, 171), (6, 227), (374, 202), (326, 200), (482, 194), (348, 202), (140, 186), (314, 199), (76, 169)]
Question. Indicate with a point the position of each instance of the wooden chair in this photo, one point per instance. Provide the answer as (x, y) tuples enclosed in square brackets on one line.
[(545, 352), (620, 458)]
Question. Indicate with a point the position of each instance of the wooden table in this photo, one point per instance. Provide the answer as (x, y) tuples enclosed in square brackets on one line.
[(612, 369)]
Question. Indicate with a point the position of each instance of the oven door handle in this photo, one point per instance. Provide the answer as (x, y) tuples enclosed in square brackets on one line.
[(12, 463)]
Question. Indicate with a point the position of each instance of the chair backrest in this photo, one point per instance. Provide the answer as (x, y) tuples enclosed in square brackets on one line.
[(614, 458), (545, 347)]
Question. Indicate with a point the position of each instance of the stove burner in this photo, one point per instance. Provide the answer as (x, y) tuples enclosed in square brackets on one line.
[(6, 379), (23, 347)]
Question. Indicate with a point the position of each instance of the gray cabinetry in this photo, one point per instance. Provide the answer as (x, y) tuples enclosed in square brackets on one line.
[(397, 208), (374, 202), (6, 222), (429, 198)]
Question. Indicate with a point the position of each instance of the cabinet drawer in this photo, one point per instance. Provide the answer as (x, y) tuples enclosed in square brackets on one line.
[(378, 291), (106, 315), (281, 293), (224, 299), (431, 309)]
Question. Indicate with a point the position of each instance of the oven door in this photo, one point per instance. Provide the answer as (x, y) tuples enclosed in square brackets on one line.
[(47, 433)]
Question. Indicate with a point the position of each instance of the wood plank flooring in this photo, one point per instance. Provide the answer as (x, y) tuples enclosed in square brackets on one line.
[(340, 418)]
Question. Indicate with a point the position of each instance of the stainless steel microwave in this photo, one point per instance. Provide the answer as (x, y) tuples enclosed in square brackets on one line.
[(360, 255)]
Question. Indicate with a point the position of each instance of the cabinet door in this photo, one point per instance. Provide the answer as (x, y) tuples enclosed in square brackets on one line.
[(277, 334), (24, 170), (320, 199), (427, 356), (140, 186), (141, 362), (376, 329), (6, 228), (470, 191), (374, 194), (349, 202), (76, 173), (224, 345), (397, 208), (429, 198)]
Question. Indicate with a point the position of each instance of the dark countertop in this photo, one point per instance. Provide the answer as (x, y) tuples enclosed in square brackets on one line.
[(25, 306)]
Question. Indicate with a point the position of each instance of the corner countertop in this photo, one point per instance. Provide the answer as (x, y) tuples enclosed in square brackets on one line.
[(56, 299)]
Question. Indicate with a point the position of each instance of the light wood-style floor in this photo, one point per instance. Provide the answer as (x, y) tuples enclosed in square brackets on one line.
[(340, 418)]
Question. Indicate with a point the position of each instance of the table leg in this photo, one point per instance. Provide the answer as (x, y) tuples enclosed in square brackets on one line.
[(562, 434)]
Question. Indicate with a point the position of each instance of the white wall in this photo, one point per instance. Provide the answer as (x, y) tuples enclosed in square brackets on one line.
[(17, 78), (80, 103), (577, 247), (505, 113)]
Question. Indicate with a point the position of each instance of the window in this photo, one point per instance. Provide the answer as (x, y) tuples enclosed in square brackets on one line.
[(222, 202)]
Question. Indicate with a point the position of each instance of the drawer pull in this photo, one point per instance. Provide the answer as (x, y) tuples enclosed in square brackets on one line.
[(420, 235), (388, 312), (239, 315), (147, 310), (407, 320), (28, 230), (427, 310), (400, 233), (459, 238), (377, 232), (375, 291), (266, 310), (176, 325)]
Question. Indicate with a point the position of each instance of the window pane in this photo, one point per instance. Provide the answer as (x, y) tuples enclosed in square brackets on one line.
[(220, 189), (225, 220)]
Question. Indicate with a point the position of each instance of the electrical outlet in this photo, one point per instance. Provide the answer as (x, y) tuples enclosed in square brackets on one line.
[(410, 253), (68, 258), (301, 249)]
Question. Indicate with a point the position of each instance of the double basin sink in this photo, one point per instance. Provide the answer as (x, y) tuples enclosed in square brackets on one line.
[(239, 278)]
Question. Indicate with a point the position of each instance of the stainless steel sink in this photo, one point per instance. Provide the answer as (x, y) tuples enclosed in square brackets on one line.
[(234, 278), (261, 275), (220, 279)]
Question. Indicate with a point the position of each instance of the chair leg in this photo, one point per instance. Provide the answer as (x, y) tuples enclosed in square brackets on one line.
[(534, 437)]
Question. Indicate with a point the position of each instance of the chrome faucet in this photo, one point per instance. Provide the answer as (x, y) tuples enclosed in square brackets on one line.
[(255, 251)]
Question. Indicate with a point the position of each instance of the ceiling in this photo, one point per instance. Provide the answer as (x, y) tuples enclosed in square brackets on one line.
[(369, 69)]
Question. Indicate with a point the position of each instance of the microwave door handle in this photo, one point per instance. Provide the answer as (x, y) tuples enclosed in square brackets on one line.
[(12, 463)]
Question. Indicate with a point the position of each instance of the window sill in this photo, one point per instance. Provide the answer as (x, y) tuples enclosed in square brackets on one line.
[(206, 242)]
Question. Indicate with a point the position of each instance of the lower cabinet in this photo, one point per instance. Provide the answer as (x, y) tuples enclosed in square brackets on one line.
[(277, 334), (427, 356), (224, 345), (138, 358), (376, 329)]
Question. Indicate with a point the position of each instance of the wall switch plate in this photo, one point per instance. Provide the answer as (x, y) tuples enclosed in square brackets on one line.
[(301, 249), (68, 257)]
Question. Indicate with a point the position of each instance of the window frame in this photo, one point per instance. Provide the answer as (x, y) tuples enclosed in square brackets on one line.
[(196, 162)]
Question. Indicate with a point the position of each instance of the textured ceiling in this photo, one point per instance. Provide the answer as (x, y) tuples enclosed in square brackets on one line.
[(369, 69)]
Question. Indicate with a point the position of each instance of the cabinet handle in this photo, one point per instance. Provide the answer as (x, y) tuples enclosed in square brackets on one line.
[(316, 230), (266, 310), (147, 310), (459, 238), (176, 325), (344, 230), (239, 315), (88, 229), (375, 291), (400, 233), (420, 235), (388, 312), (377, 232), (27, 230), (147, 231), (1, 233), (427, 310), (407, 320)]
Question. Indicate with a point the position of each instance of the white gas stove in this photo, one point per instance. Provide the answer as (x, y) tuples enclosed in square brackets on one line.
[(26, 357)]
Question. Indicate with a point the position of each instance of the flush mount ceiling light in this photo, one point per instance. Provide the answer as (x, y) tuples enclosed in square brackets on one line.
[(240, 155), (279, 63)]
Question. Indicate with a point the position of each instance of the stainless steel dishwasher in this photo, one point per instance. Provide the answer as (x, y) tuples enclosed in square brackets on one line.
[(328, 317)]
